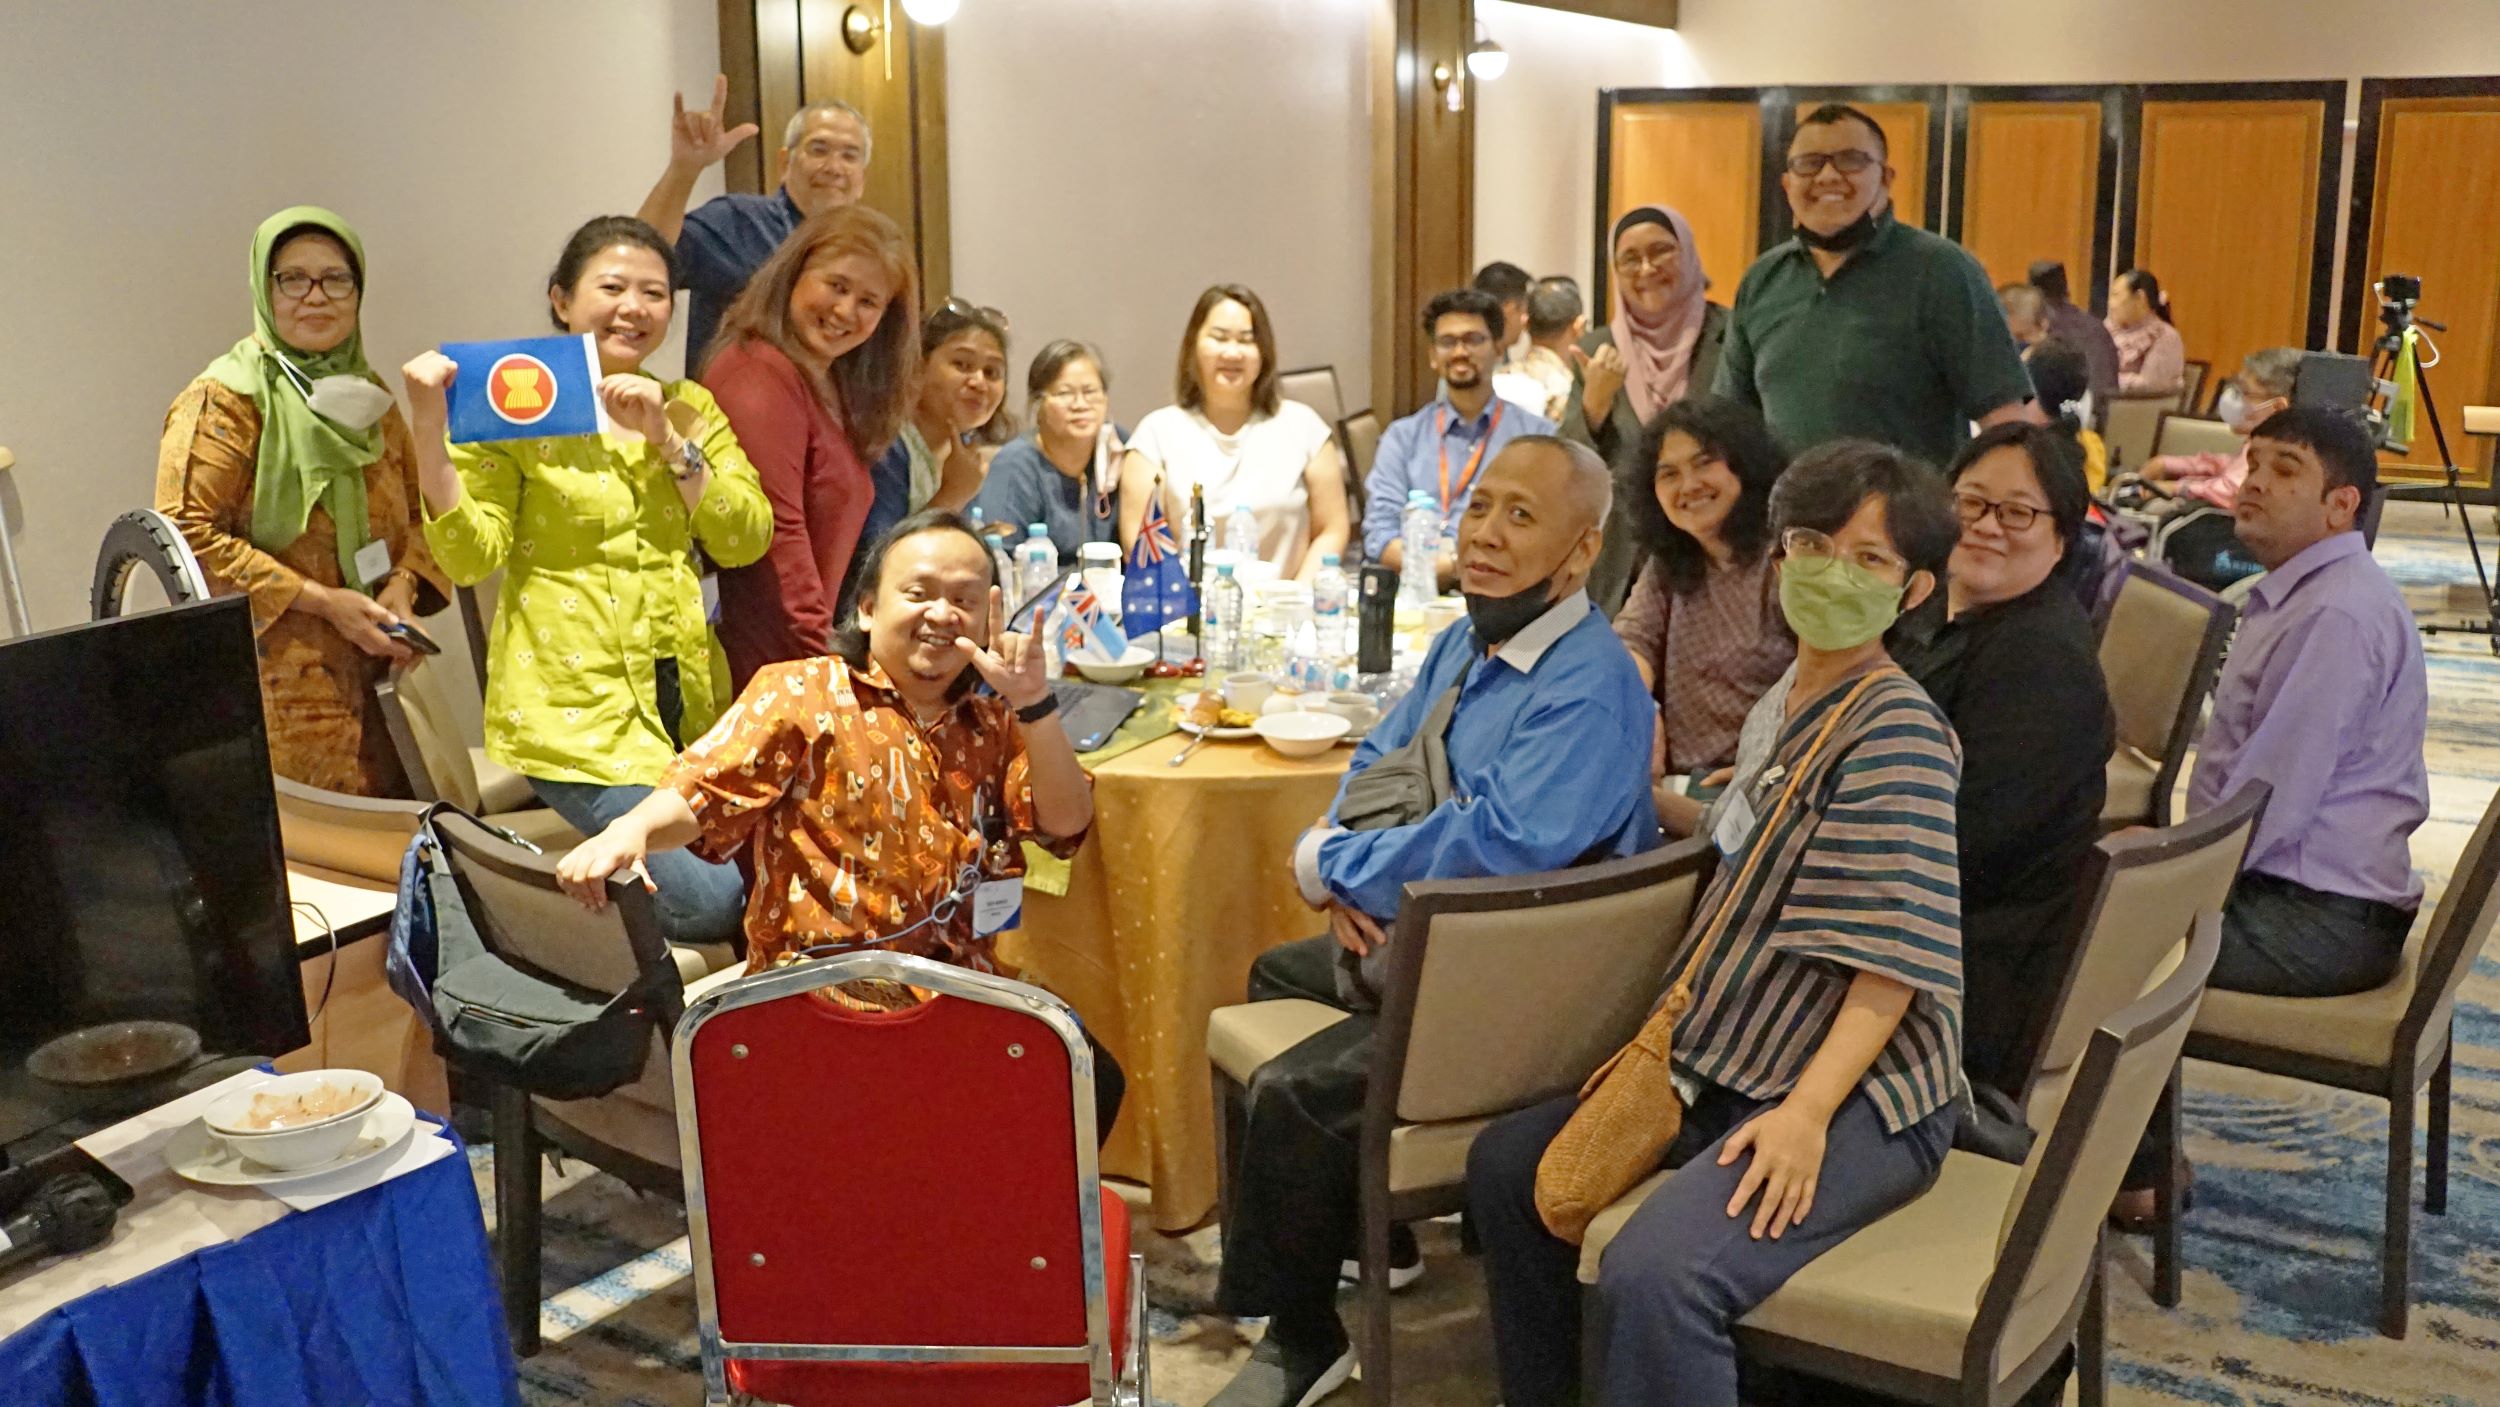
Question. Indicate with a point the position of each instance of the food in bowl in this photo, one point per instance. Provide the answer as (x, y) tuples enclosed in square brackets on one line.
[(294, 1110), (298, 1121), (1302, 734), (1128, 666)]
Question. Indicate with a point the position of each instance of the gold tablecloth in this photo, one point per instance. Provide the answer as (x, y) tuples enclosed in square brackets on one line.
[(1186, 877)]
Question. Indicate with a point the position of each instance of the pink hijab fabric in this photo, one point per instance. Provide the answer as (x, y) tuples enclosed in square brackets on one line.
[(1658, 356)]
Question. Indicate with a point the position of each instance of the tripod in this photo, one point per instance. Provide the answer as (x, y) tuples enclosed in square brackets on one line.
[(2400, 320)]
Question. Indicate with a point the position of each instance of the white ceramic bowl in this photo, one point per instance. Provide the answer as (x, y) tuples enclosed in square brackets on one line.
[(306, 1145), (1120, 671), (1302, 734)]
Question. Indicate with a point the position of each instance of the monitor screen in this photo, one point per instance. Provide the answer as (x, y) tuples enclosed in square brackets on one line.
[(144, 921)]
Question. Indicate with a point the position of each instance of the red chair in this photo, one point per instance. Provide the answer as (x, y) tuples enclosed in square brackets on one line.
[(902, 1209)]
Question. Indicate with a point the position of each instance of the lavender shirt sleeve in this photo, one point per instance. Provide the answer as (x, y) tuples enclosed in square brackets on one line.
[(2304, 708)]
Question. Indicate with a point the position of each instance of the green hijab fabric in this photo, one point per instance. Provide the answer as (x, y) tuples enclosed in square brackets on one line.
[(303, 458)]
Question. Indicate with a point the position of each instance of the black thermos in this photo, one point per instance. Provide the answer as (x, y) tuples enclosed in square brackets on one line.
[(1378, 619)]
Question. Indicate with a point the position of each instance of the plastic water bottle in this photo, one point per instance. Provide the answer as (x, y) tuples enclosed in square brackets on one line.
[(1037, 561), (1241, 533), (1419, 580), (999, 561), (1328, 598), (1221, 615)]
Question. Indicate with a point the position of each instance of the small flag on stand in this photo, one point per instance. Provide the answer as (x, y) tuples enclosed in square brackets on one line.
[(1155, 589), (525, 388), (1082, 628)]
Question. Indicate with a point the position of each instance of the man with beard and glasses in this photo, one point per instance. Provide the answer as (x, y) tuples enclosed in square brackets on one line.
[(1863, 326), (1548, 739), (1442, 448)]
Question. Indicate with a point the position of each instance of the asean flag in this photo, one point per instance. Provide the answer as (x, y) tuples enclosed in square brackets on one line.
[(525, 388)]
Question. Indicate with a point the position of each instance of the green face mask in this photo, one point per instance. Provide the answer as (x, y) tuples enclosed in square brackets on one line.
[(1835, 604)]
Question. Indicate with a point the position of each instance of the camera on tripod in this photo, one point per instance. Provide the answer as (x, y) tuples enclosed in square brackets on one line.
[(2398, 296)]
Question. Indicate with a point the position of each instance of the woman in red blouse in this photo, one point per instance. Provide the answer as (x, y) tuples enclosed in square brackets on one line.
[(812, 365)]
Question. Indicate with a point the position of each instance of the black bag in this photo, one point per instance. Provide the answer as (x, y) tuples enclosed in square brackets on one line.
[(501, 1020), (1400, 788)]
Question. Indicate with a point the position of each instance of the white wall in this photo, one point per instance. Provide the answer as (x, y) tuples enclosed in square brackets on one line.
[(1535, 129), (462, 138), (1111, 158)]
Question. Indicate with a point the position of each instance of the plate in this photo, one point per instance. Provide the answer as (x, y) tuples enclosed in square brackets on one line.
[(201, 1156), (115, 1051), (1180, 719)]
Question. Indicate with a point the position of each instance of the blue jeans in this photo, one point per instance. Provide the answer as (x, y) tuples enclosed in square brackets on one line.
[(699, 902)]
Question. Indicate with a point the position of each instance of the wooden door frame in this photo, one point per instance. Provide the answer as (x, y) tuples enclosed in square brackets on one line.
[(1777, 135), (1423, 178), (2105, 185), (2375, 93), (1774, 206), (2328, 92)]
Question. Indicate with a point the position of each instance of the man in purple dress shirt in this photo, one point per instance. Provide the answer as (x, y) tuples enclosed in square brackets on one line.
[(2324, 699)]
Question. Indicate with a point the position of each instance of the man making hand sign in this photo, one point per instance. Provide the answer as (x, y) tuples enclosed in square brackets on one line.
[(880, 794)]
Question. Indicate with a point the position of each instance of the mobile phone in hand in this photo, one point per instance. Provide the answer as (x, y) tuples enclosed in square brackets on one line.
[(412, 637)]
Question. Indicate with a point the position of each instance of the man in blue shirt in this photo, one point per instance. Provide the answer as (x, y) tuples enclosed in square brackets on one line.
[(824, 166), (1442, 448), (1548, 749)]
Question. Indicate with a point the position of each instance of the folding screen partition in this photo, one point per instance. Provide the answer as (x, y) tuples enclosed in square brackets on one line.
[(1704, 152), (2426, 202), (1913, 119), (2230, 200), (2035, 176)]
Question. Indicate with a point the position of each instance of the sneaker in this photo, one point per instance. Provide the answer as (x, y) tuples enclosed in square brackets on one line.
[(1406, 1262), (1278, 1376)]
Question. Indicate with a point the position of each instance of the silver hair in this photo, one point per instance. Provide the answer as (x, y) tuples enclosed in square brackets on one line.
[(2273, 370), (1592, 487), (798, 123)]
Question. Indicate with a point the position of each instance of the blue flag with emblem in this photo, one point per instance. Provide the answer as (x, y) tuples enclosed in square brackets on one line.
[(1155, 589), (525, 388)]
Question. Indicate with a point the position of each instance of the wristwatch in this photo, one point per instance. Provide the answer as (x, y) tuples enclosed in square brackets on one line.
[(1039, 709), (690, 461)]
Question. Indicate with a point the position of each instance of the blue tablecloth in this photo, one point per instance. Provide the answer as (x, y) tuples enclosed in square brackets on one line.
[(384, 1298)]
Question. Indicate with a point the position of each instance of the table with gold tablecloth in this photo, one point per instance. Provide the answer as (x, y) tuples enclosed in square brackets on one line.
[(1186, 877)]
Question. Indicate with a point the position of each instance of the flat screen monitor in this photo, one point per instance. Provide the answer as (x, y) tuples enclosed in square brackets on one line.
[(145, 931)]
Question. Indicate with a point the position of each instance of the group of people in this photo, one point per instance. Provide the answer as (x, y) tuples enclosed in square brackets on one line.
[(1715, 587)]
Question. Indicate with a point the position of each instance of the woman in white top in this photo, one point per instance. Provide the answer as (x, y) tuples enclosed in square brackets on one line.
[(1233, 436)]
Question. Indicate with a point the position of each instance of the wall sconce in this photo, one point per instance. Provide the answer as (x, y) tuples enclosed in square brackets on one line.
[(860, 28), (1485, 61)]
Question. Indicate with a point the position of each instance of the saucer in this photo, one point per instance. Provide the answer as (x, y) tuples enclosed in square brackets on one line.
[(202, 1156)]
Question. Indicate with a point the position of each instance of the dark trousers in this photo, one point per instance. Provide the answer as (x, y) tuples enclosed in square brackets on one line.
[(1291, 1190), (2281, 939), (1683, 1271), (1110, 1087)]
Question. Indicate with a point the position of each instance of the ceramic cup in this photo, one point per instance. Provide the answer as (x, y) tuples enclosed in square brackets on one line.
[(1357, 709), (1247, 690)]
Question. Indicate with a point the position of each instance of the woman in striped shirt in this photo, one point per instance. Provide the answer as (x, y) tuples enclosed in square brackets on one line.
[(1822, 1052)]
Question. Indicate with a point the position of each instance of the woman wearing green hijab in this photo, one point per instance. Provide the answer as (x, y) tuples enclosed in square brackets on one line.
[(290, 471)]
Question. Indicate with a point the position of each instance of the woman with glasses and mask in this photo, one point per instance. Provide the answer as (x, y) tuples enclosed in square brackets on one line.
[(1065, 474), (2008, 653), (1662, 343), (1230, 434), (1703, 622), (289, 471), (811, 366), (602, 665), (1823, 1045)]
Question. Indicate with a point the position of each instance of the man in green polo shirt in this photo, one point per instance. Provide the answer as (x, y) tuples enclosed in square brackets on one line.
[(1861, 325)]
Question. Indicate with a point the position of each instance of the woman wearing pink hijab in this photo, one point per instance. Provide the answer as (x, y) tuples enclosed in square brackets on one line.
[(1662, 342)]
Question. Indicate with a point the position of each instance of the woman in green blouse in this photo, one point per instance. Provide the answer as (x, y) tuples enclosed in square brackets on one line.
[(602, 667)]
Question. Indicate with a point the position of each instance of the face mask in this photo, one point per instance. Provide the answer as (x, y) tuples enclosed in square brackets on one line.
[(349, 402), (1847, 237), (1834, 604), (1497, 618), (2233, 408)]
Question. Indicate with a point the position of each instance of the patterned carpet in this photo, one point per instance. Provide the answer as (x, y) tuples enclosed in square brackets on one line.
[(2281, 1249)]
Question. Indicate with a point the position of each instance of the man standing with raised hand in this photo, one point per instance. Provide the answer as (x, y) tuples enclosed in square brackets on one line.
[(721, 243)]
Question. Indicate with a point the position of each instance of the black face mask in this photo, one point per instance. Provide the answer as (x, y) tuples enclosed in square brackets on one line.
[(1844, 239), (1497, 618)]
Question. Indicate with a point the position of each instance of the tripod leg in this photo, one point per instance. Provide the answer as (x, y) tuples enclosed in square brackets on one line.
[(2456, 497)]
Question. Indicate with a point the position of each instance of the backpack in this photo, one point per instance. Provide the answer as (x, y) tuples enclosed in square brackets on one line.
[(495, 1017)]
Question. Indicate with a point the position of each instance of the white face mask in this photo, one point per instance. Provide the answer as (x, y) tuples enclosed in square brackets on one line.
[(2234, 409), (349, 402)]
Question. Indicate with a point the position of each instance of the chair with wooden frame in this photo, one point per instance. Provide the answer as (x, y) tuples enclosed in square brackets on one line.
[(2129, 424), (2194, 373), (2161, 650), (1565, 964), (943, 1155), (442, 766), (360, 836), (2389, 1041), (2179, 432), (1316, 387), (1358, 436)]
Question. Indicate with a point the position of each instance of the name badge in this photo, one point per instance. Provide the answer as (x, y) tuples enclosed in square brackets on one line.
[(373, 562), (998, 905), (1736, 822)]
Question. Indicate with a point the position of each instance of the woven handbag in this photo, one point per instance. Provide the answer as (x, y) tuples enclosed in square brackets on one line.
[(1629, 1110)]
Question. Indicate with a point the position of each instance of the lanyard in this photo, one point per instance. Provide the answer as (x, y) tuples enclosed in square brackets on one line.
[(1466, 476)]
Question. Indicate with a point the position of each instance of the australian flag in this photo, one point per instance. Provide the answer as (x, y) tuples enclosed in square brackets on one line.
[(1155, 589), (525, 388)]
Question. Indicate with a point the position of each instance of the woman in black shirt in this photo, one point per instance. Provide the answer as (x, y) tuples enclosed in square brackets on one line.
[(2009, 655)]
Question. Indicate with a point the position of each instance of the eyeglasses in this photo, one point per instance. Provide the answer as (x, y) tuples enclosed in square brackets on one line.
[(1847, 163), (1462, 342), (2015, 517), (1813, 550), (963, 309), (1077, 395), (1657, 256), (338, 287)]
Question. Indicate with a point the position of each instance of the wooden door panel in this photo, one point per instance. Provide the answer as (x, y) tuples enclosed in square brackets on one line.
[(2434, 208), (1906, 128), (1703, 159), (2030, 189)]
